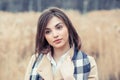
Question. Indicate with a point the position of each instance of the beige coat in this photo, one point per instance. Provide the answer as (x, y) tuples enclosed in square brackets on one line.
[(44, 69)]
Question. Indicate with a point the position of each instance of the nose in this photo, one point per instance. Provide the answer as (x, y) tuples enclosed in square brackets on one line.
[(55, 34)]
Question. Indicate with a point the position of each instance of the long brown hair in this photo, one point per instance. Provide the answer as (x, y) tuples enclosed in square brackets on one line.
[(42, 46)]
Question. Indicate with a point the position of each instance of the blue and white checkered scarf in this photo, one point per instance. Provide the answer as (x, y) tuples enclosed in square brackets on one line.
[(81, 67)]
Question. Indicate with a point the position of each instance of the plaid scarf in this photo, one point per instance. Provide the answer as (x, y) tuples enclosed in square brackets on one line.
[(34, 75), (81, 66)]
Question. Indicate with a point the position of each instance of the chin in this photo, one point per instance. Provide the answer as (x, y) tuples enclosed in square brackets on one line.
[(58, 45)]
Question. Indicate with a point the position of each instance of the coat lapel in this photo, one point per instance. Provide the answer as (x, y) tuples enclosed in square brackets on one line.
[(58, 76), (44, 69)]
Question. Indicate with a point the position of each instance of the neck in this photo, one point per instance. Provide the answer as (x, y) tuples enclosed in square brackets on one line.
[(58, 52)]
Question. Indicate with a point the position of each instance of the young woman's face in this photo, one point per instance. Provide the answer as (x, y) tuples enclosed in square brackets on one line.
[(56, 33)]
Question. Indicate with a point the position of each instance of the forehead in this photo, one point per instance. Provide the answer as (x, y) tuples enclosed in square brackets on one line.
[(54, 21)]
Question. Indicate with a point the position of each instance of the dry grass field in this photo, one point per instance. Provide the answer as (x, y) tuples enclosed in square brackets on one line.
[(99, 31)]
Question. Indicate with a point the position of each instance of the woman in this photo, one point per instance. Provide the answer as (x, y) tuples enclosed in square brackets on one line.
[(57, 52)]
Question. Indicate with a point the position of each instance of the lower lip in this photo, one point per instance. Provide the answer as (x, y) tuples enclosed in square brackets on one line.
[(57, 41)]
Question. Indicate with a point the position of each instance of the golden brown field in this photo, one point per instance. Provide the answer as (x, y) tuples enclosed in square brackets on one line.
[(99, 31)]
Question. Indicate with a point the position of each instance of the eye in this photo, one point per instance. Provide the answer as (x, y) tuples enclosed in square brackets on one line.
[(59, 27), (47, 31)]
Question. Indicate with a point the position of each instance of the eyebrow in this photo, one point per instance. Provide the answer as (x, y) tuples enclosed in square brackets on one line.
[(58, 24), (55, 25)]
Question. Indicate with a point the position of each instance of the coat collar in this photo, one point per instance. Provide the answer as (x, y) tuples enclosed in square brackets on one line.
[(45, 69)]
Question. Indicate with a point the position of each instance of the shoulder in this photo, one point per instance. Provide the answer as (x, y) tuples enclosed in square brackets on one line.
[(92, 61), (86, 59), (34, 57), (93, 72), (37, 56), (89, 58)]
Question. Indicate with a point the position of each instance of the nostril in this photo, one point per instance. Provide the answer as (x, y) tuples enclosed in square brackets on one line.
[(55, 36)]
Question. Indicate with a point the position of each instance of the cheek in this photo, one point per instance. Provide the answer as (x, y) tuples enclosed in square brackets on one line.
[(65, 34), (48, 38)]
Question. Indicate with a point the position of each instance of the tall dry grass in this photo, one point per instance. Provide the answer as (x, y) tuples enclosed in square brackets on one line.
[(99, 31)]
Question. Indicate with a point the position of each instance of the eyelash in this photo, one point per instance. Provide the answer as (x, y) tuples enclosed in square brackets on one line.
[(47, 32), (59, 27)]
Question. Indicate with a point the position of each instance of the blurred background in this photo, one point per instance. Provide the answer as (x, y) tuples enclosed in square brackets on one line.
[(96, 21), (39, 5)]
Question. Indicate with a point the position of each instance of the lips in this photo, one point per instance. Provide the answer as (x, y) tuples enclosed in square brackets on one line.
[(57, 41)]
